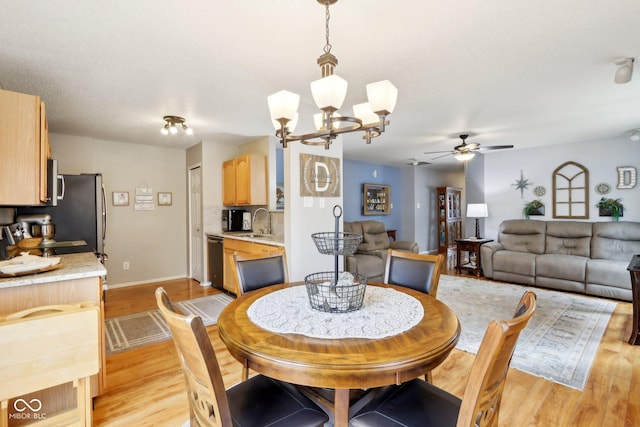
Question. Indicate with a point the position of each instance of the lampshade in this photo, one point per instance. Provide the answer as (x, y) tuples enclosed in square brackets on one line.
[(477, 210), (291, 125), (283, 105), (365, 113), (464, 156), (329, 92), (382, 96)]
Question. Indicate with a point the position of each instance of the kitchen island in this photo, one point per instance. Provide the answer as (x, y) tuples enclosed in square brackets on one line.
[(78, 279)]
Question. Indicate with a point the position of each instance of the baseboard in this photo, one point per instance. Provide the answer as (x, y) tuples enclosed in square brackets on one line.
[(144, 282)]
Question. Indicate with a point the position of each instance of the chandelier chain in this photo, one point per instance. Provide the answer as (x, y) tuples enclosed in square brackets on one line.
[(327, 46)]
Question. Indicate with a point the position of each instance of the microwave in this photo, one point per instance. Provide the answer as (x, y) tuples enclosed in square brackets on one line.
[(232, 219)]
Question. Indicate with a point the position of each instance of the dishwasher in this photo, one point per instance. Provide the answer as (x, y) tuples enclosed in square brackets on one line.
[(215, 261)]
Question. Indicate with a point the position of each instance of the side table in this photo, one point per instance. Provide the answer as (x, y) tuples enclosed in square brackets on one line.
[(634, 270), (472, 263)]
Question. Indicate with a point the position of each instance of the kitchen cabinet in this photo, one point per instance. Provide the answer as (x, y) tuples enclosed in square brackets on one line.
[(24, 144), (244, 181), (244, 247), (449, 218)]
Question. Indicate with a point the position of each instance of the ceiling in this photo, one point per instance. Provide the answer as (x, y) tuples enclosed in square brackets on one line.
[(507, 72)]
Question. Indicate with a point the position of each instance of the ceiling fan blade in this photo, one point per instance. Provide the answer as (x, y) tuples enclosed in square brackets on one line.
[(496, 147), (444, 155), (436, 152)]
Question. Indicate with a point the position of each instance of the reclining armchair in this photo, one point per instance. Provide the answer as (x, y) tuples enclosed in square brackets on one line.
[(371, 257)]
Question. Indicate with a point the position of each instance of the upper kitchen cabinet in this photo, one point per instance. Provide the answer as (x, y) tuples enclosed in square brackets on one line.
[(24, 144), (244, 181)]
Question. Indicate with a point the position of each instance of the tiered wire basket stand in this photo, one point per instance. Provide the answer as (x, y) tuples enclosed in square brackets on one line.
[(336, 291)]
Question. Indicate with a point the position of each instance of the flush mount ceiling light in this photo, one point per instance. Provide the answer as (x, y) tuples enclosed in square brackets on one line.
[(329, 93), (172, 123), (635, 135), (624, 73)]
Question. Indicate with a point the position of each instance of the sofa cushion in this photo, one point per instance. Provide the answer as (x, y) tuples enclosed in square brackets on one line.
[(617, 241), (608, 273), (374, 237), (561, 266), (515, 262), (568, 238), (522, 235)]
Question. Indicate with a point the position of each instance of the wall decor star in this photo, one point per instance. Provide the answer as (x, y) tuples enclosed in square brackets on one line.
[(522, 184)]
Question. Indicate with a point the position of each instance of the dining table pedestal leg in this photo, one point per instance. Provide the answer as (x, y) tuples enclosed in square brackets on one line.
[(341, 407)]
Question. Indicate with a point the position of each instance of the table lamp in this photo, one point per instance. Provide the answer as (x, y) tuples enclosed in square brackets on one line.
[(477, 211)]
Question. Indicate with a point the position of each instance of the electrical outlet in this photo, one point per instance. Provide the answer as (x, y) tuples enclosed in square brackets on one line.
[(125, 265)]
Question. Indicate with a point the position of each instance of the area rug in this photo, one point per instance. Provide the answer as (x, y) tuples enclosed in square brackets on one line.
[(139, 329), (558, 344)]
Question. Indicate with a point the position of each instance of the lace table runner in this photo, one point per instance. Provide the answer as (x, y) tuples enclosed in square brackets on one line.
[(385, 312)]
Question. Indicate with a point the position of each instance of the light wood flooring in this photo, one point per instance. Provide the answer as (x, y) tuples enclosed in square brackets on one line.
[(145, 386)]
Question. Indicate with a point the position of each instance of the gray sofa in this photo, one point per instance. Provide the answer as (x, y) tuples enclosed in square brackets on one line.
[(371, 256), (584, 257)]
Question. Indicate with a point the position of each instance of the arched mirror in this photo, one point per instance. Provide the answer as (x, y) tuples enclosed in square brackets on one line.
[(571, 191)]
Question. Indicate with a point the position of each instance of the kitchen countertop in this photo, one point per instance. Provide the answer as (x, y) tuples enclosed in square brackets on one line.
[(272, 239), (73, 266)]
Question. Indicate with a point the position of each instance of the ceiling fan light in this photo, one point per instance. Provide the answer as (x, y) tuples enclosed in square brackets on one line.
[(382, 97), (365, 114), (283, 105), (464, 156), (329, 92), (635, 135)]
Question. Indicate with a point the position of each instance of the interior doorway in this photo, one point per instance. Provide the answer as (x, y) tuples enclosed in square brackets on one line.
[(196, 257)]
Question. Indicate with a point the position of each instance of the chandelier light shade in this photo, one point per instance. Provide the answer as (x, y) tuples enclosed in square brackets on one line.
[(329, 93), (172, 123), (625, 72), (477, 211)]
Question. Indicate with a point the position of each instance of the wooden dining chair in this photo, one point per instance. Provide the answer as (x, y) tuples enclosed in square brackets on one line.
[(259, 401), (255, 271), (44, 347), (417, 271), (420, 403)]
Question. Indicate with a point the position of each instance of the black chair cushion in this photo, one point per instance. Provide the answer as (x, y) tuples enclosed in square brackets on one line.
[(416, 403), (411, 273), (261, 401), (258, 273)]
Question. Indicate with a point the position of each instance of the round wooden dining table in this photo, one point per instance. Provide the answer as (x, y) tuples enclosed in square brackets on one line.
[(340, 364)]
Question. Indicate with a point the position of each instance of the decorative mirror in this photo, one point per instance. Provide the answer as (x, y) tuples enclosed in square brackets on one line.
[(570, 191)]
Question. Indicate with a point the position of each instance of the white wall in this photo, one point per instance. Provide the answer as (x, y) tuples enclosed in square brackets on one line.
[(154, 242), (601, 158), (300, 221)]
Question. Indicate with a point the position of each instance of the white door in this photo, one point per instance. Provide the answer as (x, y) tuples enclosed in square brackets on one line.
[(196, 260)]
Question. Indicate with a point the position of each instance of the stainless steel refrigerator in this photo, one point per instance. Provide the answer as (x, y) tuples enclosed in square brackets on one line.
[(81, 211)]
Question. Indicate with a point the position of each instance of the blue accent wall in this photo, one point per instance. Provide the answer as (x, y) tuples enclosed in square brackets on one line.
[(355, 174)]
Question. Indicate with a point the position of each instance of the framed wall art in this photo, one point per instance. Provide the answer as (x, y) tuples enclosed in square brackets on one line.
[(164, 199), (120, 198), (319, 176)]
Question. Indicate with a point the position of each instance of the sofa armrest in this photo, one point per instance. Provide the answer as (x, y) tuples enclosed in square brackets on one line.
[(404, 245), (486, 255)]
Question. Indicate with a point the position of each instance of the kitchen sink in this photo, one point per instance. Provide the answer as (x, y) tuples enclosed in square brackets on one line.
[(256, 235)]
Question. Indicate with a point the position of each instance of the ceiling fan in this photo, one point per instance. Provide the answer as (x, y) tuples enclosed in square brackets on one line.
[(416, 162), (466, 151)]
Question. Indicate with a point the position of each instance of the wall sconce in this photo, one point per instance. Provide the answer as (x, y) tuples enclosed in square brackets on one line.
[(172, 123)]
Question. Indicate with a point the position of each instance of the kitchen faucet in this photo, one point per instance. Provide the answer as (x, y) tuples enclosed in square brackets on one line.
[(268, 218)]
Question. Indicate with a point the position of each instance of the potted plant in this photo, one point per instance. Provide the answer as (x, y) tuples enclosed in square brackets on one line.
[(535, 207), (610, 207)]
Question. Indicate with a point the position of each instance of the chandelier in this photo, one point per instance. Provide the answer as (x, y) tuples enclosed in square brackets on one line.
[(171, 125), (329, 93)]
